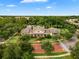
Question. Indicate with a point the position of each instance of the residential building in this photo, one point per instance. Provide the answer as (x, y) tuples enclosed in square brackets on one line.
[(39, 31), (73, 21)]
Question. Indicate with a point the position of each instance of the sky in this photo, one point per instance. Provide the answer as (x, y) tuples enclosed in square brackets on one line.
[(39, 7)]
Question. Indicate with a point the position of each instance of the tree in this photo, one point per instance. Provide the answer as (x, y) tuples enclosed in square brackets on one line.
[(24, 43), (56, 37), (12, 51), (1, 50), (47, 46), (66, 34), (27, 56), (25, 46), (48, 36), (18, 52), (25, 38), (75, 51), (9, 53)]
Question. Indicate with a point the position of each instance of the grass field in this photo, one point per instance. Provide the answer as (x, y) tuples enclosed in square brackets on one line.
[(13, 39)]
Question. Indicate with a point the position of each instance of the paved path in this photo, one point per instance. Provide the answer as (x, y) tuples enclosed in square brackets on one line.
[(2, 43), (67, 54)]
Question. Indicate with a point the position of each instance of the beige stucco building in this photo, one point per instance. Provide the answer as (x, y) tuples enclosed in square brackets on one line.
[(39, 31)]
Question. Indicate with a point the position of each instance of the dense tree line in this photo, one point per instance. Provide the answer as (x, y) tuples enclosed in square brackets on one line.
[(20, 50), (75, 51), (11, 25)]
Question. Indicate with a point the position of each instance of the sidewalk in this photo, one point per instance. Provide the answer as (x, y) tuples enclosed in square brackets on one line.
[(67, 54), (2, 43)]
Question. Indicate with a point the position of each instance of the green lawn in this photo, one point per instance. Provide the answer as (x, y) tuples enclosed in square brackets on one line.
[(53, 53), (13, 39), (43, 40)]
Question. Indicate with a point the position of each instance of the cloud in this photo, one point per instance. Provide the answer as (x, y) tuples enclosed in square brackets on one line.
[(30, 1), (11, 5), (51, 6), (48, 7)]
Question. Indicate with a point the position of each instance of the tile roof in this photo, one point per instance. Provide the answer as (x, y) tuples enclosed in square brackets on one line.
[(38, 49)]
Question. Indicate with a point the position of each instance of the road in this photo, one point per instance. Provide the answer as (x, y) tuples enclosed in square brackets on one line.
[(2, 43)]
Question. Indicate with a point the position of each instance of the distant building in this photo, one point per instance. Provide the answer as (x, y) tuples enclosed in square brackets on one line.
[(73, 21), (77, 32), (39, 31), (27, 18), (19, 17)]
